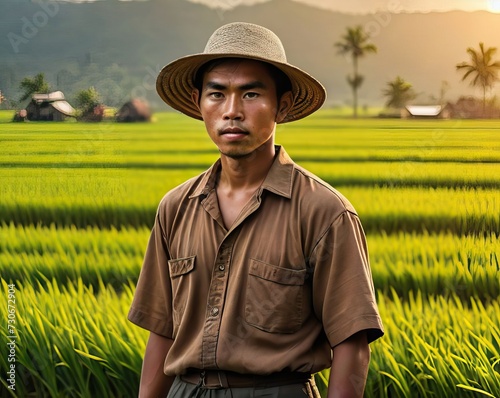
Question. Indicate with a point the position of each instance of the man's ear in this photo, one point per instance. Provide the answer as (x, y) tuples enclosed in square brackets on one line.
[(195, 97), (284, 106)]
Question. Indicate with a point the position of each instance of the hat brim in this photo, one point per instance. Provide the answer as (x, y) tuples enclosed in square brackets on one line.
[(175, 85)]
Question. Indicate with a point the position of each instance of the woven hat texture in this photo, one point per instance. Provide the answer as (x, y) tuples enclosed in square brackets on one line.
[(175, 83)]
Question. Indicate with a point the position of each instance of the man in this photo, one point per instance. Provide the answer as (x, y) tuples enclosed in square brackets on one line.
[(256, 274)]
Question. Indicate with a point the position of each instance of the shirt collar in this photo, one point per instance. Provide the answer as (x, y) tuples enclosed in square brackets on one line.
[(278, 179)]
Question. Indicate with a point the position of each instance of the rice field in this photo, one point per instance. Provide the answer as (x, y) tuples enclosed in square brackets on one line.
[(78, 201)]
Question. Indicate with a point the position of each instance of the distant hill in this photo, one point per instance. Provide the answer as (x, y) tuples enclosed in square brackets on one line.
[(120, 46)]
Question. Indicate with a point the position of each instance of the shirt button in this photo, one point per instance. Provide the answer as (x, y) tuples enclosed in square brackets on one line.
[(222, 267), (214, 311)]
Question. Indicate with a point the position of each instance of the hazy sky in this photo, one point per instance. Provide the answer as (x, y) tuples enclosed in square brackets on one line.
[(369, 6), (363, 6)]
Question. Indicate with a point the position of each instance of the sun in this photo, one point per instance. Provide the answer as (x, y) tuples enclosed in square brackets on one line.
[(494, 5)]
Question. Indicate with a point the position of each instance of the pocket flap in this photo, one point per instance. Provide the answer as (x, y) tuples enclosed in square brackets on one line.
[(285, 276), (181, 266)]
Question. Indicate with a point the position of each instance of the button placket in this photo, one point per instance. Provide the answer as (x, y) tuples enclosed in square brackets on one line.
[(215, 304), (218, 288)]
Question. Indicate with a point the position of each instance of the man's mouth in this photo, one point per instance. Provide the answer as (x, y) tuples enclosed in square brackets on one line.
[(233, 131)]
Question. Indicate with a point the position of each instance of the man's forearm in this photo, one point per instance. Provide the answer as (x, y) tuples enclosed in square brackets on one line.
[(154, 383), (349, 369)]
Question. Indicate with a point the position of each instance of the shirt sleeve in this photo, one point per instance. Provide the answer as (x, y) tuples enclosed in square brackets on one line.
[(343, 292), (151, 306)]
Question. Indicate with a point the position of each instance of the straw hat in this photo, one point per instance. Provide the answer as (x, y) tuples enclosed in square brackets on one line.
[(175, 82)]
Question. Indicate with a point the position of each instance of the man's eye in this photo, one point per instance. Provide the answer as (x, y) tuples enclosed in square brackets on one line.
[(215, 95), (251, 95)]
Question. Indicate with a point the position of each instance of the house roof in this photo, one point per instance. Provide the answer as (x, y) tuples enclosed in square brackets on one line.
[(50, 97), (140, 106), (424, 110), (64, 107)]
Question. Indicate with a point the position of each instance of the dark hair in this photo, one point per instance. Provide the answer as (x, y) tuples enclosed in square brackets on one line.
[(281, 80)]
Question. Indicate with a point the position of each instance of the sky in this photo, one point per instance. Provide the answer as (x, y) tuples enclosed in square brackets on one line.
[(371, 6), (361, 6)]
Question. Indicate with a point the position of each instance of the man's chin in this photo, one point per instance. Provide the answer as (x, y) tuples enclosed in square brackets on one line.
[(236, 154)]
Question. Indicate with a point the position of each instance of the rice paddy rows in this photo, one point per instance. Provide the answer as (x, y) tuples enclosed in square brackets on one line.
[(75, 342), (346, 173), (444, 264), (386, 209), (78, 201), (74, 144), (92, 157)]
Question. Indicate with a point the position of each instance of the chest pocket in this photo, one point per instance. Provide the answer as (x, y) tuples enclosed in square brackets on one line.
[(274, 299), (179, 276)]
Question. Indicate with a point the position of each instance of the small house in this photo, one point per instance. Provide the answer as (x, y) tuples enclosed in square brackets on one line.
[(135, 110), (425, 112), (49, 107), (473, 108)]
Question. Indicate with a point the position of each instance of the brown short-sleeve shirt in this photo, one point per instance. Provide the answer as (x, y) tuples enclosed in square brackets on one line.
[(289, 280)]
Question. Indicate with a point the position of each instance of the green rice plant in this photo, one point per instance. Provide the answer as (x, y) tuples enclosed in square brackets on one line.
[(91, 186), (460, 211), (437, 264), (90, 159), (175, 140), (436, 347), (6, 116), (34, 255), (52, 240), (115, 269), (396, 140), (443, 264), (184, 154), (396, 154), (74, 342), (407, 174), (115, 174), (426, 191)]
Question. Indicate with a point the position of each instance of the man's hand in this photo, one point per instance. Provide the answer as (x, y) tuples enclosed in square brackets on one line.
[(154, 383), (349, 367)]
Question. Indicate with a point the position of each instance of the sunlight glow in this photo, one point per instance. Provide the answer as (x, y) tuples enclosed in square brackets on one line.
[(494, 5)]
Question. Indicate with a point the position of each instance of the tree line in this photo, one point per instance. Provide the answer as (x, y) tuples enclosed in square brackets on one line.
[(481, 69)]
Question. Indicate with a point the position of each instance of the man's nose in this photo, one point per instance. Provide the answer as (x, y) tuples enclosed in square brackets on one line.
[(233, 108)]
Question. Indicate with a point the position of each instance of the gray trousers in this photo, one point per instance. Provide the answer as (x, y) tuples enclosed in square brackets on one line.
[(182, 389)]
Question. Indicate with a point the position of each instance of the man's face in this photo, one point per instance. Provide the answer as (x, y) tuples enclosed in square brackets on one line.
[(239, 106)]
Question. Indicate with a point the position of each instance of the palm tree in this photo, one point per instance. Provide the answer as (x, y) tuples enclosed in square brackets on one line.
[(32, 85), (481, 68), (355, 43), (399, 92)]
